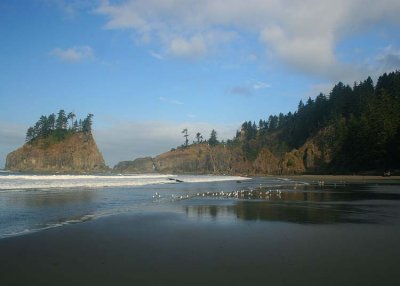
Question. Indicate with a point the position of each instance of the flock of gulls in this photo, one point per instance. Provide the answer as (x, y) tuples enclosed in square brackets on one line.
[(260, 192), (250, 193)]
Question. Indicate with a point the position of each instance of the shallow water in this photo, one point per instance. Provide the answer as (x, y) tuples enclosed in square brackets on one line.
[(30, 203)]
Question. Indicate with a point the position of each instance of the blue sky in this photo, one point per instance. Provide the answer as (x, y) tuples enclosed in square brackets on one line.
[(147, 69)]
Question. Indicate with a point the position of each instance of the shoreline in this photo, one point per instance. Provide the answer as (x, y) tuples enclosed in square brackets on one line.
[(355, 179)]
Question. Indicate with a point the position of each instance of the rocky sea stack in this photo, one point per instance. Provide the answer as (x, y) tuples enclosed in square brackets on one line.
[(58, 143), (77, 152)]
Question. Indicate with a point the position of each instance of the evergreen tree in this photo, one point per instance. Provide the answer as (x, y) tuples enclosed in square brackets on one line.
[(52, 121), (87, 123), (57, 126), (71, 116), (61, 122), (30, 134), (213, 141), (199, 137)]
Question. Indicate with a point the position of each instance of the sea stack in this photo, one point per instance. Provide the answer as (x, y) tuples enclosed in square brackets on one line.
[(77, 152)]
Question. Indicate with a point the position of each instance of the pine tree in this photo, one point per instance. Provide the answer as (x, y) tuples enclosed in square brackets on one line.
[(213, 141)]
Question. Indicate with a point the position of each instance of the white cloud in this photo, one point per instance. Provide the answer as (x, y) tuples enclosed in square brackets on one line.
[(130, 140), (250, 88), (71, 8), (187, 48), (301, 34), (156, 55), (388, 59), (74, 54), (261, 85)]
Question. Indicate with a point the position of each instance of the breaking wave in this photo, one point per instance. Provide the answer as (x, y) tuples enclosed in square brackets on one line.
[(29, 182)]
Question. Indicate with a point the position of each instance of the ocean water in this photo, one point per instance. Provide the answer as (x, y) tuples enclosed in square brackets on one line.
[(30, 203)]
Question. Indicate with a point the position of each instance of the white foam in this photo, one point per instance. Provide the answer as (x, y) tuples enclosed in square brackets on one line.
[(210, 178), (29, 182)]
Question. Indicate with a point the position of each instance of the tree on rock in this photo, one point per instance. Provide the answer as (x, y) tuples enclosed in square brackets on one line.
[(213, 141), (87, 123), (186, 135)]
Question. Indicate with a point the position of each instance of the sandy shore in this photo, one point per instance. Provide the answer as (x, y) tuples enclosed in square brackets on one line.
[(170, 249)]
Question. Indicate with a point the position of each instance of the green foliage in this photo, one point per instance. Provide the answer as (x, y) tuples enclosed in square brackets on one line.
[(213, 141), (365, 122), (56, 128)]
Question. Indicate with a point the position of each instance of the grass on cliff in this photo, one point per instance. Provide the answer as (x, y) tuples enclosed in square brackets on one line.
[(54, 138)]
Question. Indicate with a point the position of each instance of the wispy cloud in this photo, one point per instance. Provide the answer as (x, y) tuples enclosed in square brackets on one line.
[(170, 101), (250, 88), (241, 90), (261, 85), (157, 56), (388, 59), (69, 7), (73, 55)]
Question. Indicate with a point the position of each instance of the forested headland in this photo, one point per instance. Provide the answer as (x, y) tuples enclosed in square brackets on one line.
[(353, 128), (361, 125)]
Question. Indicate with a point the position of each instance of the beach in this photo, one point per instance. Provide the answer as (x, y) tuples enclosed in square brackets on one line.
[(269, 231), (170, 249), (355, 179)]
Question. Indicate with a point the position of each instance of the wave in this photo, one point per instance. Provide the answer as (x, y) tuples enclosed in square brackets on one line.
[(50, 225), (29, 182)]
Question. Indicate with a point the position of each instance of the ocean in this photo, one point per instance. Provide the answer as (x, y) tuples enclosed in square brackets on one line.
[(32, 202)]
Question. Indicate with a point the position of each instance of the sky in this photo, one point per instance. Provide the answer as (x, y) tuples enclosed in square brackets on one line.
[(147, 69)]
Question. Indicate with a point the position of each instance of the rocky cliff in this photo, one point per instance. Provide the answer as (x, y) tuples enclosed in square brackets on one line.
[(139, 165), (222, 159), (77, 152)]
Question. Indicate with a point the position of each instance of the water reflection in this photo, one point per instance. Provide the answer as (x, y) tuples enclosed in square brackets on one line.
[(310, 205), (51, 198)]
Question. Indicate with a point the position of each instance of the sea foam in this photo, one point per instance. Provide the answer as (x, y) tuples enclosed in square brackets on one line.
[(29, 182)]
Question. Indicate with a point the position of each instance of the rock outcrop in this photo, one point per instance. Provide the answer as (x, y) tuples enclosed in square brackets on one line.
[(77, 152), (313, 156), (139, 165)]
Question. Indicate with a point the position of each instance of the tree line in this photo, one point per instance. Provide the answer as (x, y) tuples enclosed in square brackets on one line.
[(212, 141), (58, 126), (365, 119)]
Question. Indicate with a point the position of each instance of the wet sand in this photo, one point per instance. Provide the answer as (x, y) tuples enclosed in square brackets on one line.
[(172, 249), (340, 179)]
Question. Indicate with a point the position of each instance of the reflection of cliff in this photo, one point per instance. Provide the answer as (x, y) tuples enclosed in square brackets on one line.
[(273, 211), (319, 207), (77, 152)]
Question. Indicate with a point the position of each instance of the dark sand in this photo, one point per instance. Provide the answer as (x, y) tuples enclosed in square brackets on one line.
[(342, 179), (171, 249)]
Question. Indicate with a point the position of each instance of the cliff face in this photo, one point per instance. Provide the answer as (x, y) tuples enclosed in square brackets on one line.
[(313, 156), (139, 165), (76, 153)]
